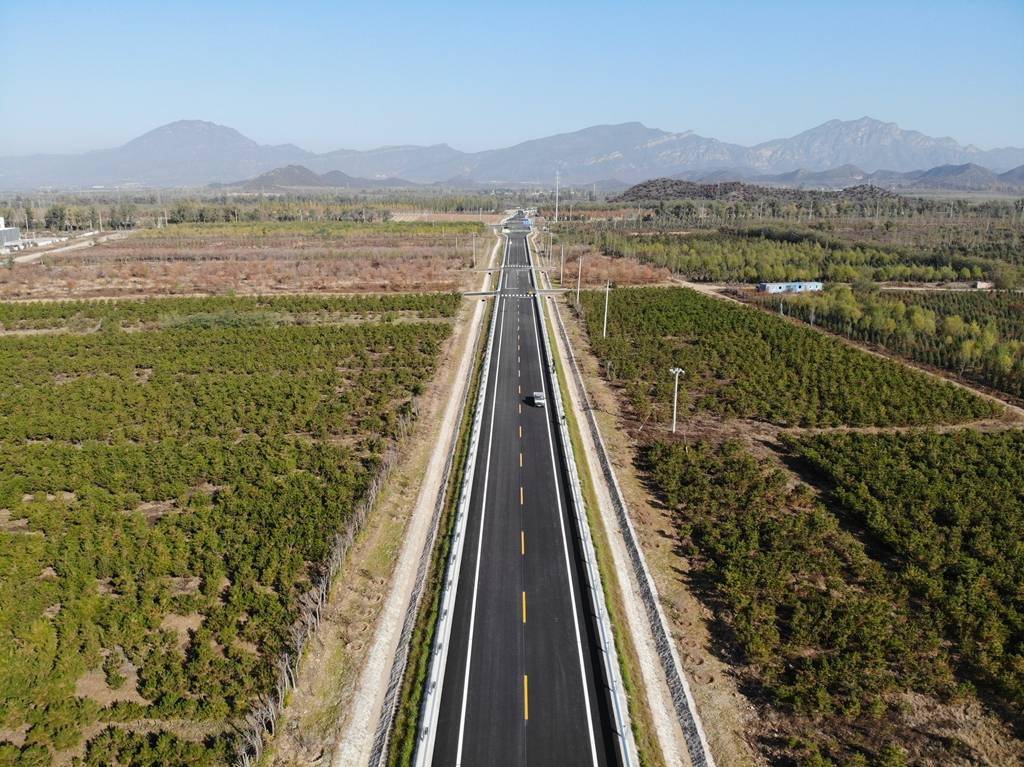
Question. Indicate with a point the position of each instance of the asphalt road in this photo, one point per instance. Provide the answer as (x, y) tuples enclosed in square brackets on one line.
[(523, 681)]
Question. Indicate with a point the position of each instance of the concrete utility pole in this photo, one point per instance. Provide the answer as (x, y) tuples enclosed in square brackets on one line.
[(675, 396), (579, 276), (607, 290), (561, 270), (556, 196)]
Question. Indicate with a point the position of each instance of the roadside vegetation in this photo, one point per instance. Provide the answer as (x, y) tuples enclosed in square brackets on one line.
[(170, 486)]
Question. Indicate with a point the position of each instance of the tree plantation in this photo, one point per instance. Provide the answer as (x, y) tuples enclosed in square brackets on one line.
[(835, 626), (949, 511), (976, 335), (769, 254), (747, 364), (860, 572), (172, 480)]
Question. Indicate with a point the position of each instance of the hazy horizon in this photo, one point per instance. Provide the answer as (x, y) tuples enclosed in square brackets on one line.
[(401, 74)]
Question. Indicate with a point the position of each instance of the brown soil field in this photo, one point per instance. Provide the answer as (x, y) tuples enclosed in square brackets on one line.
[(192, 260)]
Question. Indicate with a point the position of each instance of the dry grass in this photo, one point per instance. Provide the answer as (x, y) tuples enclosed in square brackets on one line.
[(598, 269), (220, 261)]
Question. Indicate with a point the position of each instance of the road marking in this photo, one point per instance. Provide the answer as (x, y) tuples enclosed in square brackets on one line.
[(520, 495), (526, 698), (520, 431), (520, 408), (522, 542), (565, 547), (520, 460), (524, 607), (520, 387), (480, 538)]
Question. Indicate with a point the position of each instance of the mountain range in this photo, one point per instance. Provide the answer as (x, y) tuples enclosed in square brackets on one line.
[(191, 153)]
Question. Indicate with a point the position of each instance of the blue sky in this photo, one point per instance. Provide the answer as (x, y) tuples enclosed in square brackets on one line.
[(330, 75)]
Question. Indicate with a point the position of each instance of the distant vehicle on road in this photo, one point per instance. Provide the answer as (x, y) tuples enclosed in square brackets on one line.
[(539, 400)]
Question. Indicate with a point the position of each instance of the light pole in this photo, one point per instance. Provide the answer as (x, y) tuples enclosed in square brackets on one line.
[(556, 196), (579, 276), (607, 290), (561, 270), (675, 396)]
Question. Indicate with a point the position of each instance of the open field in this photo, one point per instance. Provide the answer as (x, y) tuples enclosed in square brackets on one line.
[(260, 257), (815, 596), (173, 481)]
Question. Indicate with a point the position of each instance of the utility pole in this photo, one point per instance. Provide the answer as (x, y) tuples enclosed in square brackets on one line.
[(607, 290), (561, 269), (556, 196), (675, 396), (579, 276), (474, 251)]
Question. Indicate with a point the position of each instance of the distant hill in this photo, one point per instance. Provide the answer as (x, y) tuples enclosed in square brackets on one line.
[(301, 177), (966, 177), (1015, 176), (195, 153), (666, 189)]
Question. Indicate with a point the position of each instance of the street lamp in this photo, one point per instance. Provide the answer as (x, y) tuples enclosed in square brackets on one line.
[(607, 290), (675, 396), (579, 278)]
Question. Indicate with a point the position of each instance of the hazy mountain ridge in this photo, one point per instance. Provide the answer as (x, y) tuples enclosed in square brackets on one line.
[(195, 153), (301, 177)]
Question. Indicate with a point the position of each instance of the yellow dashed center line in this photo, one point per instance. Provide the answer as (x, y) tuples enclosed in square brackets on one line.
[(524, 607), (526, 697), (522, 542), (520, 495)]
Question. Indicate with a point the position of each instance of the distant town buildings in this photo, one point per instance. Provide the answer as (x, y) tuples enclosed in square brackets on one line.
[(789, 287), (9, 235)]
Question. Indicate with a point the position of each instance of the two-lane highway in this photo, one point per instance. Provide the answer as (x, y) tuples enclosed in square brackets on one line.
[(523, 681)]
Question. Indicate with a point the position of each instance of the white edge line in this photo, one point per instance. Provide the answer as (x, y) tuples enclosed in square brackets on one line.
[(439, 660), (565, 542), (480, 537)]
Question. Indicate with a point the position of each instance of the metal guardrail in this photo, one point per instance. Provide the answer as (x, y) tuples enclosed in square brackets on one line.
[(439, 653), (682, 697), (609, 653)]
